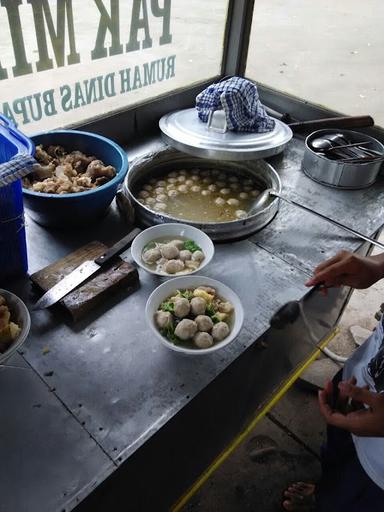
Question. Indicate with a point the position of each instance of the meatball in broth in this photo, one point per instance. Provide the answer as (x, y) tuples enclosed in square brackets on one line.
[(201, 195), (195, 318), (172, 256)]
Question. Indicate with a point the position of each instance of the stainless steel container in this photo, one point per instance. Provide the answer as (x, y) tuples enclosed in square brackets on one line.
[(335, 173), (169, 159)]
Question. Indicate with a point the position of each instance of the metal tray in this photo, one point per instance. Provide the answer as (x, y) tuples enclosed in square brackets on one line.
[(183, 130)]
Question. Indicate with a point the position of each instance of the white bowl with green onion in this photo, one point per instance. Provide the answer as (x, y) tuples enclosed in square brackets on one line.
[(172, 250), (218, 302)]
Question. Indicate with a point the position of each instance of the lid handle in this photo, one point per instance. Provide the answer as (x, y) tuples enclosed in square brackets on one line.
[(217, 121)]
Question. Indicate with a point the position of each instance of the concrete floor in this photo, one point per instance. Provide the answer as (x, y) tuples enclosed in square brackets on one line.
[(292, 433), (328, 53)]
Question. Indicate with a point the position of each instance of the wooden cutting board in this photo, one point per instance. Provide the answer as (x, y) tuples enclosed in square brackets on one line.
[(120, 275)]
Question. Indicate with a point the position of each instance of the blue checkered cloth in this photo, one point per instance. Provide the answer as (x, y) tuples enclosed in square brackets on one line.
[(16, 168), (240, 101)]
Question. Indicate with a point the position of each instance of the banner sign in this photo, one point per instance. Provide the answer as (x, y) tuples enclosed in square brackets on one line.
[(79, 59)]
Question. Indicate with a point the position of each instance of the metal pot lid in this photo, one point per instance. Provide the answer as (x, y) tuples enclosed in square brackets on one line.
[(183, 130)]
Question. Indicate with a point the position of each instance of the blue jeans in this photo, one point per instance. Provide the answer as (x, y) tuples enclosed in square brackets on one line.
[(344, 484)]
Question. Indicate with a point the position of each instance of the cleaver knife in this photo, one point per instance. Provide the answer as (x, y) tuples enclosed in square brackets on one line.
[(83, 272)]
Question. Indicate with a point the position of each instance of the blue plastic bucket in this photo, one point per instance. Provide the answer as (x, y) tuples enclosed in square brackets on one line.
[(13, 248), (80, 208)]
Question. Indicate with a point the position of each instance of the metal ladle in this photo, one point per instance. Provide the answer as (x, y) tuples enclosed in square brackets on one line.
[(264, 198)]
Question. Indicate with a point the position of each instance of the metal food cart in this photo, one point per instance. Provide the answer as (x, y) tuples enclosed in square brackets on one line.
[(98, 416)]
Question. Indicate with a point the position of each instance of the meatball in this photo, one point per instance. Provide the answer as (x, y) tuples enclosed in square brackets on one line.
[(143, 194), (174, 266), (160, 206), (196, 188), (198, 306), (185, 255), (207, 289), (220, 331), (169, 251), (173, 193), (243, 195), (159, 190), (219, 201), (162, 198), (186, 329), (191, 265), (163, 319), (181, 307), (204, 323), (241, 214), (255, 193), (225, 191), (182, 188), (152, 255), (177, 243), (233, 202), (225, 307), (205, 192), (198, 256), (203, 340)]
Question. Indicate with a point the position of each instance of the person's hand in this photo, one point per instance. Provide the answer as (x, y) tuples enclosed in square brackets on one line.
[(360, 421), (348, 269)]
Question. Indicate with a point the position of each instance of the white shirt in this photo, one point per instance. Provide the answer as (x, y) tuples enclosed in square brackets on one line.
[(367, 365)]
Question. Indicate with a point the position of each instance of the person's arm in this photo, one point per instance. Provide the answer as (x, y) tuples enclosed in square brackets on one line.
[(347, 268), (362, 422)]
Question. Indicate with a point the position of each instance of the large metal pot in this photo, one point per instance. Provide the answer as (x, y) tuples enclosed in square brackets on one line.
[(168, 159)]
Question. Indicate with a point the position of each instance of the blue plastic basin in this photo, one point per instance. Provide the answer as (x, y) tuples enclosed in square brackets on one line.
[(81, 208)]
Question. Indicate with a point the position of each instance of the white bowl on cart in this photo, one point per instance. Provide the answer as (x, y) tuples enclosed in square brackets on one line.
[(172, 230), (166, 289), (19, 315)]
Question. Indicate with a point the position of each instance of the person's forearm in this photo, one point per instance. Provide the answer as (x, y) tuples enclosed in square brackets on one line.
[(379, 259)]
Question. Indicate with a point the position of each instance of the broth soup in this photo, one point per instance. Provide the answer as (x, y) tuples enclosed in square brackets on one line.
[(200, 195)]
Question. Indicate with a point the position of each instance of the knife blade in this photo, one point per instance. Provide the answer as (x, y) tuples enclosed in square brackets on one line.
[(83, 272)]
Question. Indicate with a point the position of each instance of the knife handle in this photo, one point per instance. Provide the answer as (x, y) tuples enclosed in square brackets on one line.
[(117, 248)]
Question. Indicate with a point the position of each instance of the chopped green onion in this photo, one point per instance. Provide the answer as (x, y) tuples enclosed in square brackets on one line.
[(190, 245), (210, 310), (150, 245), (167, 306)]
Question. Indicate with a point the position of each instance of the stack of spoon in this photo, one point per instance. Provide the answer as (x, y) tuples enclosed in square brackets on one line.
[(336, 146)]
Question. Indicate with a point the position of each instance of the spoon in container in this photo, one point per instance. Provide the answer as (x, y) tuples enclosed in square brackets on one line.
[(322, 144), (265, 197), (340, 140)]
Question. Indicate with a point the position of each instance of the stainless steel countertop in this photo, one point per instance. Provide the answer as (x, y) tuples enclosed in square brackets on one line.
[(73, 415)]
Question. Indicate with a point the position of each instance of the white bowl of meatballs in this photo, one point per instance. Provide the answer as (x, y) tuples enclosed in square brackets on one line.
[(194, 315), (171, 250)]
